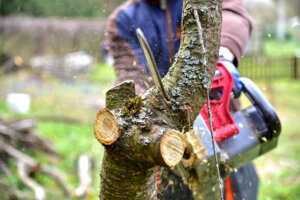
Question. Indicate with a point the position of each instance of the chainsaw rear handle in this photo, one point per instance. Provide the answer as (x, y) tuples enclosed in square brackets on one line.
[(258, 99)]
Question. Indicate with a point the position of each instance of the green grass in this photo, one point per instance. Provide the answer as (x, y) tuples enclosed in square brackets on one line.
[(102, 73), (276, 49), (57, 99), (53, 97), (279, 169), (71, 140)]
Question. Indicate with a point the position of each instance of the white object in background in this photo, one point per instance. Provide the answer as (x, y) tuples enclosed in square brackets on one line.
[(18, 102), (84, 173), (109, 60), (78, 61)]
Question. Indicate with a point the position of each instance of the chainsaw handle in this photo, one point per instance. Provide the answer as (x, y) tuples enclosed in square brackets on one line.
[(264, 106)]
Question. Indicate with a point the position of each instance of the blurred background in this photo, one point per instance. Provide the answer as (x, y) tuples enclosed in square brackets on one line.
[(54, 71)]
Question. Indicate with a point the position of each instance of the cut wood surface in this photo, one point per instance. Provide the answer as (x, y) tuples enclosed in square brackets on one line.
[(172, 148), (106, 127)]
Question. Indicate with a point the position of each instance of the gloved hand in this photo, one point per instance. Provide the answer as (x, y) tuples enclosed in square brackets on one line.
[(237, 85)]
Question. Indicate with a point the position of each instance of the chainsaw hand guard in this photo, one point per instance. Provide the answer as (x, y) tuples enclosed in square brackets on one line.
[(223, 125)]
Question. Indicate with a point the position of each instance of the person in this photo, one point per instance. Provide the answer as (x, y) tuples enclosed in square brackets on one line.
[(160, 22)]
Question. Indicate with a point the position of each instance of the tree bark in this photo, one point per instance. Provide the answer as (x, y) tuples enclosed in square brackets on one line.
[(143, 132)]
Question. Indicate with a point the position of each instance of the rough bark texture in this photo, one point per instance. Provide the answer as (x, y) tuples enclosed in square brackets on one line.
[(129, 163)]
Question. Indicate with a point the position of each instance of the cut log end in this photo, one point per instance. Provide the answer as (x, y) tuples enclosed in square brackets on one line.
[(106, 128), (172, 148)]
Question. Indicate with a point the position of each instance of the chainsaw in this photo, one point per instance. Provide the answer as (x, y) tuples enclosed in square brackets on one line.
[(240, 136), (243, 135)]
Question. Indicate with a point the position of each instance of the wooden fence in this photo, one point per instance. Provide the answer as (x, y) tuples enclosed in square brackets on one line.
[(270, 68)]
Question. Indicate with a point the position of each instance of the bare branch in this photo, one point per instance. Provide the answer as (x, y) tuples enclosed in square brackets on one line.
[(39, 191), (21, 133), (33, 165), (84, 174), (53, 174), (4, 168), (23, 126)]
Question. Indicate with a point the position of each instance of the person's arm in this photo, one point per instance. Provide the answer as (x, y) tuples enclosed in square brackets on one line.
[(129, 61), (236, 28)]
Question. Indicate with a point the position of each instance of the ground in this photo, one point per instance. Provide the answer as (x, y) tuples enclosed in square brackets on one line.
[(78, 102), (279, 170)]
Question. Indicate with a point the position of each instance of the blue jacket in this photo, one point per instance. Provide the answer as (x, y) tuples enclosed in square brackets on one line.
[(151, 20)]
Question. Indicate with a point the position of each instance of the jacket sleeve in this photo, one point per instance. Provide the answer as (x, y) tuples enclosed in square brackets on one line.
[(236, 27), (129, 60)]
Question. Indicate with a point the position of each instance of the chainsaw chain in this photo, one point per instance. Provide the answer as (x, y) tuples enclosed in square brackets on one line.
[(200, 32)]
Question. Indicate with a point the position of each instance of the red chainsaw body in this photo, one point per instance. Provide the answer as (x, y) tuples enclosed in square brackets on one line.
[(223, 124)]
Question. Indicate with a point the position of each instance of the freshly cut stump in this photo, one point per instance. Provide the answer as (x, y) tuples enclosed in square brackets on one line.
[(172, 147), (106, 128)]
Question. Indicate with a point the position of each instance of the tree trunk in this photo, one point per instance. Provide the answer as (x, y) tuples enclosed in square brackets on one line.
[(281, 20), (140, 133)]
